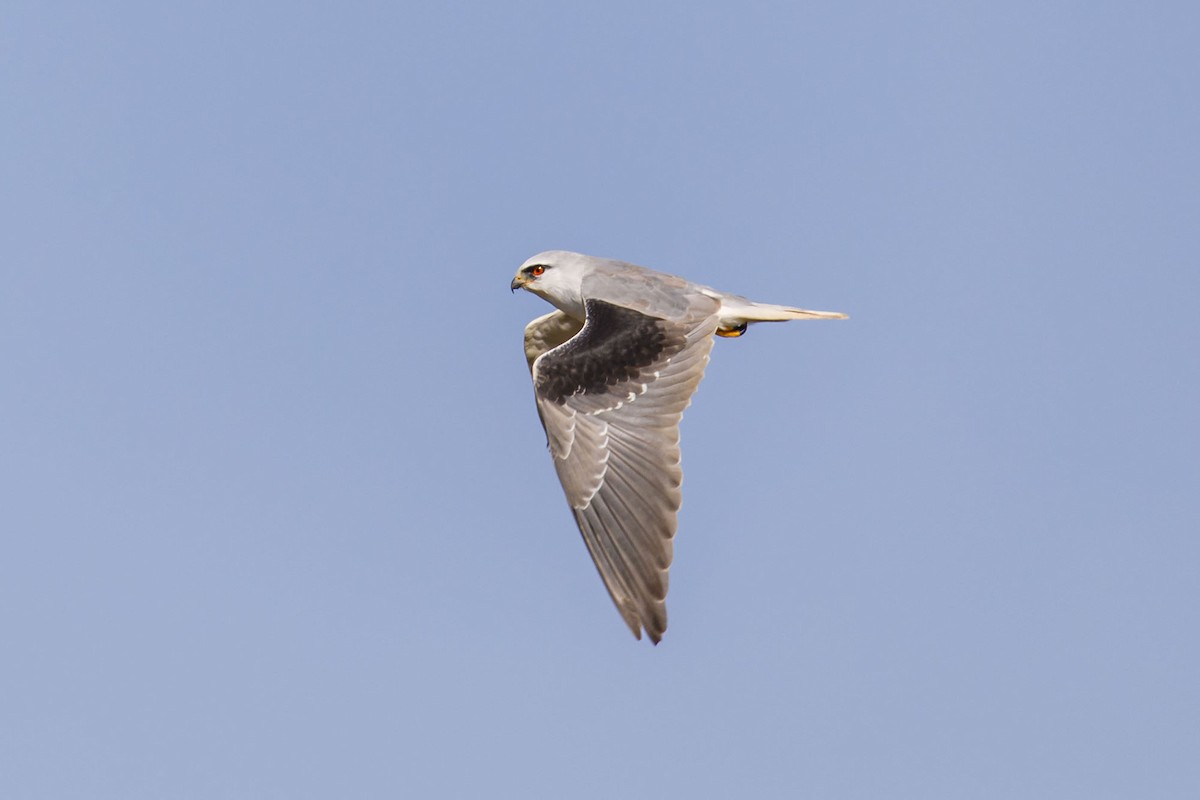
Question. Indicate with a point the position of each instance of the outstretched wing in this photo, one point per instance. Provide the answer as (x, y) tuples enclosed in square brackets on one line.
[(611, 398), (547, 332)]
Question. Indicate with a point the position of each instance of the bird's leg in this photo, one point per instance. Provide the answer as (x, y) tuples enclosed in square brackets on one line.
[(731, 332)]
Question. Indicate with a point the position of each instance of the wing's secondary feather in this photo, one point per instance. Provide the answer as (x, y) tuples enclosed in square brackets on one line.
[(547, 332)]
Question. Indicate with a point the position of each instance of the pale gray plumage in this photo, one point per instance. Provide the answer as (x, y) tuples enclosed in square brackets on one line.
[(613, 369)]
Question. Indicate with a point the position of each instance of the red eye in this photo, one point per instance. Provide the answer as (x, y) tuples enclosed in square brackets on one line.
[(536, 271)]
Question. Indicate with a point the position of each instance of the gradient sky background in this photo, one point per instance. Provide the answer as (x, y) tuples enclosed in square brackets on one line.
[(277, 516)]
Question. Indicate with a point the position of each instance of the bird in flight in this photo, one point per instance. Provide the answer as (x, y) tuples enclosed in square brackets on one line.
[(613, 369)]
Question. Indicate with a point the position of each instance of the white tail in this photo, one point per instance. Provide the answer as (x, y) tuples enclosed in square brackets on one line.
[(736, 312)]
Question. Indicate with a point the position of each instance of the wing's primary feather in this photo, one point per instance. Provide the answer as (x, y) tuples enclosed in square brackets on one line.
[(611, 398)]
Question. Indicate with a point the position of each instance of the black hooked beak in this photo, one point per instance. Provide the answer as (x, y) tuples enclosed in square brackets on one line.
[(517, 283)]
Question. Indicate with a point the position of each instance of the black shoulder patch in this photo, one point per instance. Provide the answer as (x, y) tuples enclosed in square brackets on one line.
[(616, 343)]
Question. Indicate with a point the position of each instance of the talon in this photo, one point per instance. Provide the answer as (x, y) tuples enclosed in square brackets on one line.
[(731, 332)]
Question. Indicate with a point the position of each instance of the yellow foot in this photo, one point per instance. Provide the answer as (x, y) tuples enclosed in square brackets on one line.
[(731, 332)]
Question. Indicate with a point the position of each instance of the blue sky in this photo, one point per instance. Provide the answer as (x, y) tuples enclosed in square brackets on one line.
[(277, 518)]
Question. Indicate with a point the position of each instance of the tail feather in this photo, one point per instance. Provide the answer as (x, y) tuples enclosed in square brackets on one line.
[(738, 312)]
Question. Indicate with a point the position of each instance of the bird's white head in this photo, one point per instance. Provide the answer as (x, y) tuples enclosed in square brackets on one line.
[(557, 277)]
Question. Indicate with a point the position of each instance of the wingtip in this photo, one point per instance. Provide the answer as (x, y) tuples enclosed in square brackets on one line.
[(655, 636)]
